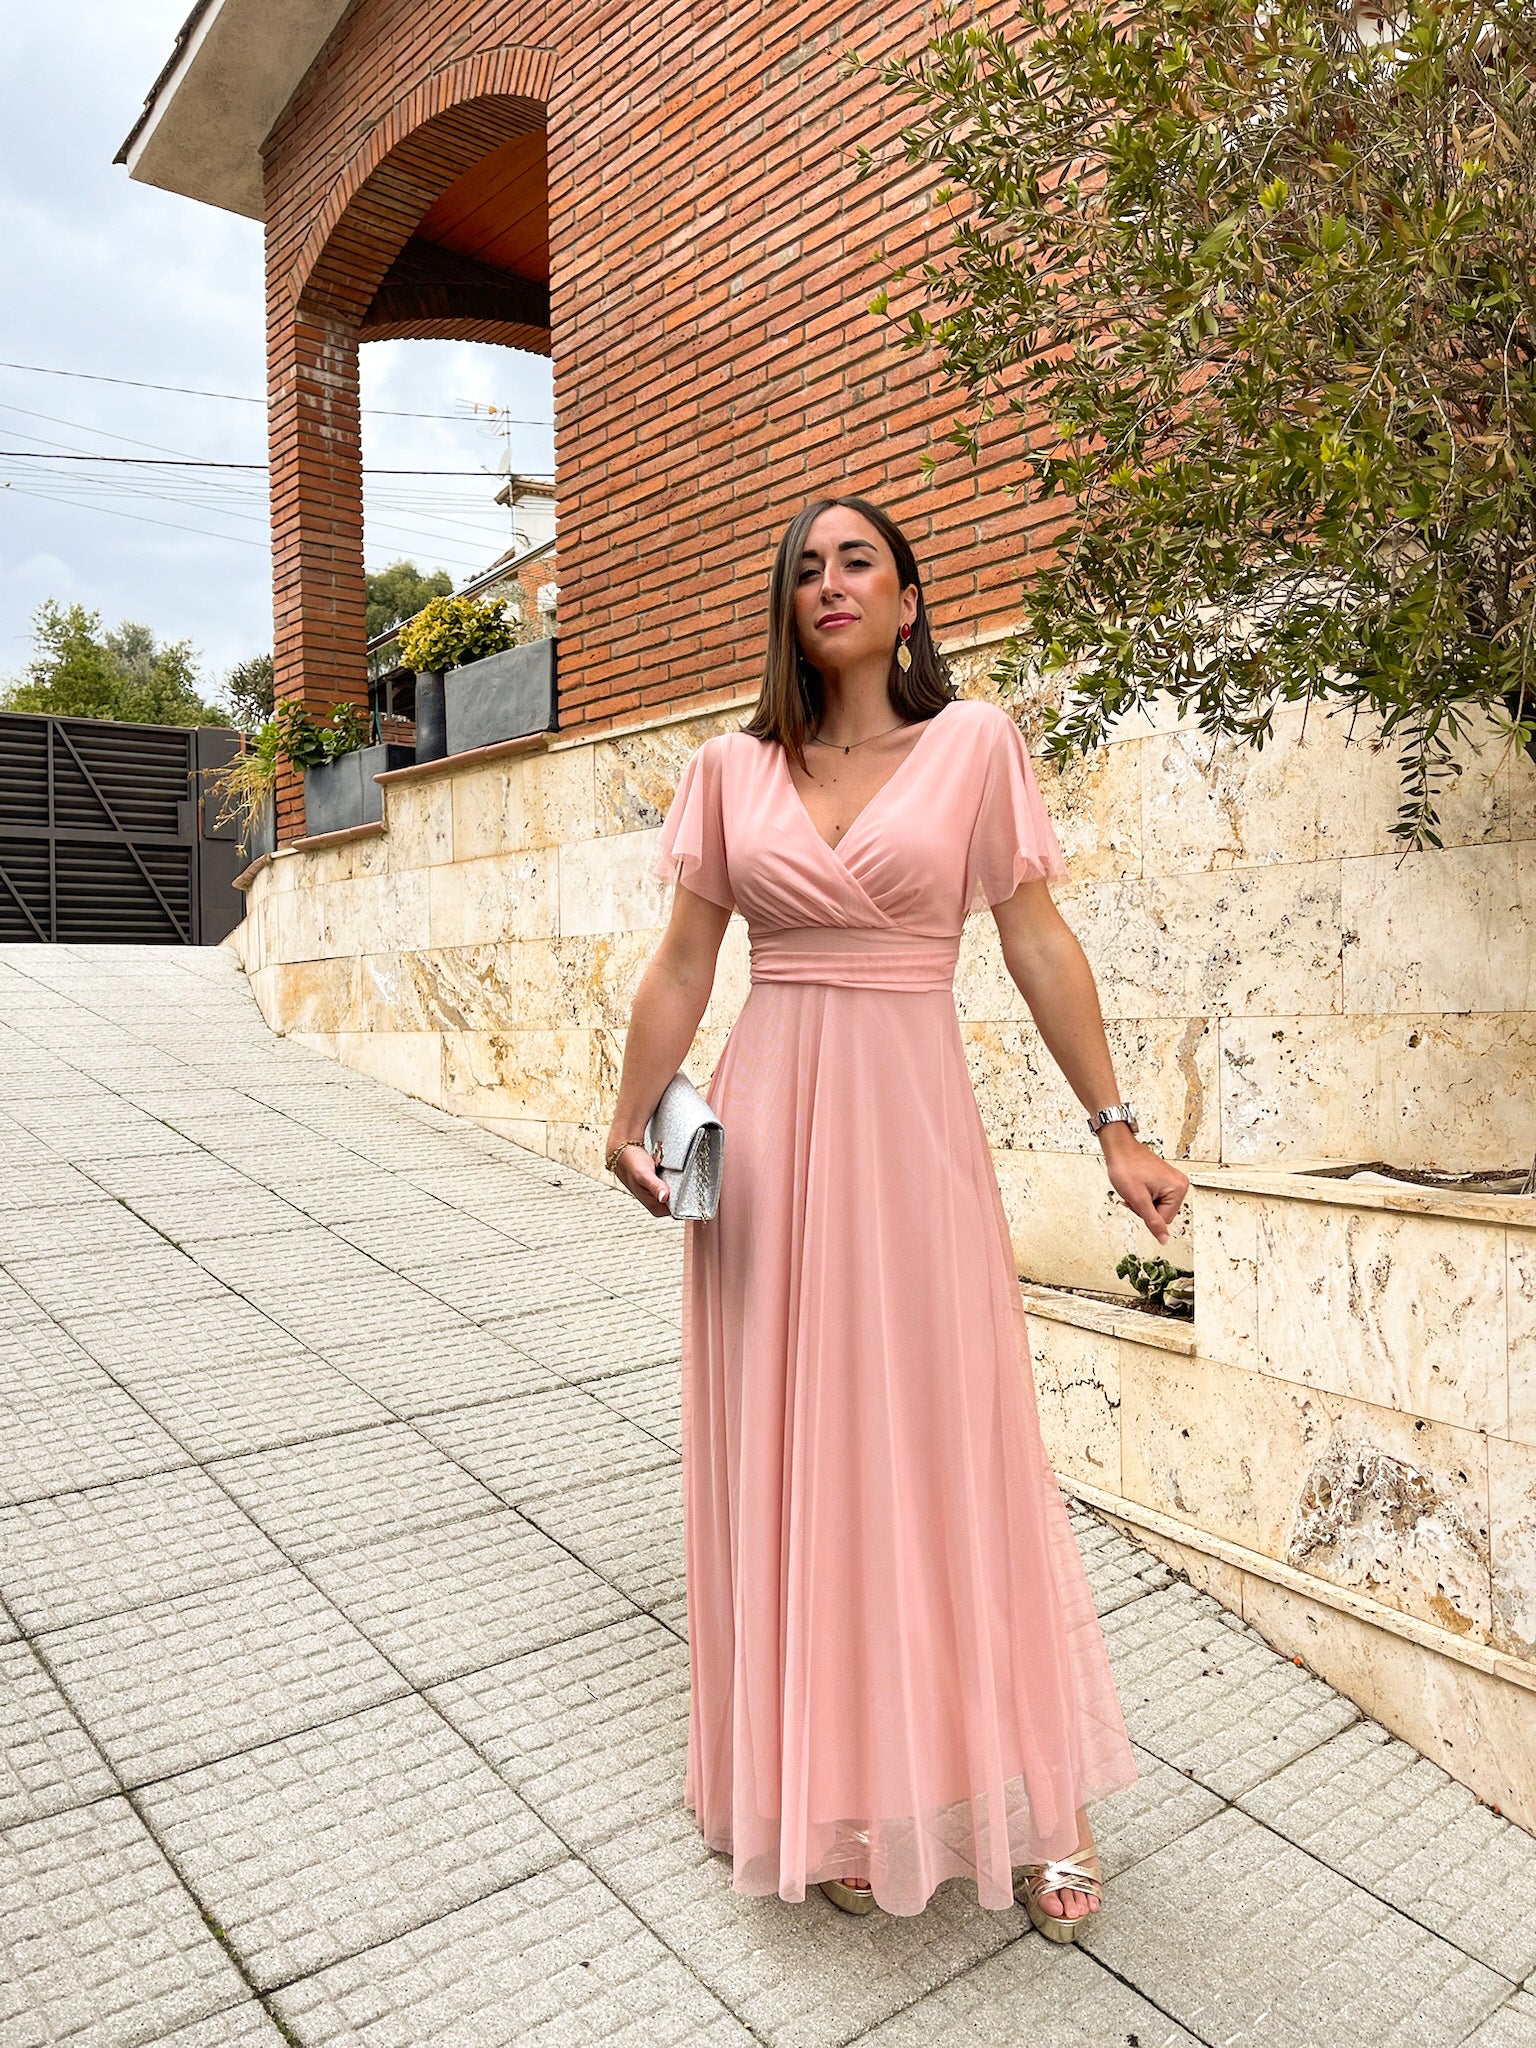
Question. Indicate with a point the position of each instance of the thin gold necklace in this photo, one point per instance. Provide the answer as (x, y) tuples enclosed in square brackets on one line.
[(848, 749)]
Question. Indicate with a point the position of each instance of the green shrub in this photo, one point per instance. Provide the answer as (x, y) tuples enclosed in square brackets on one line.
[(453, 630)]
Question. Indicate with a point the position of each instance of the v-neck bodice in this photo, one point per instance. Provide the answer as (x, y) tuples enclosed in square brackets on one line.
[(871, 801), (956, 826)]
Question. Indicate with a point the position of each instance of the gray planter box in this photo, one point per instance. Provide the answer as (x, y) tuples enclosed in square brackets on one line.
[(341, 794), (500, 698), (262, 835)]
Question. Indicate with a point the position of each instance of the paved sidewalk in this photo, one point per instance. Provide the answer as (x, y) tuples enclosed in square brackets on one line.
[(343, 1642)]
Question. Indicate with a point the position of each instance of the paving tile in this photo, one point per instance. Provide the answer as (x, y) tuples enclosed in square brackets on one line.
[(651, 1398), (593, 1341), (36, 1354), (1287, 1949), (47, 1761), (112, 1279), (549, 1963), (1207, 1695), (266, 1266), (1162, 1805), (1513, 2025), (388, 1309), (239, 2026), (339, 1491), (105, 1947), (52, 1185), (187, 1172), (543, 1443), (629, 1275), (1390, 1820), (119, 1143), (457, 1369), (169, 1687), (629, 1530), (327, 1843), (83, 1233), (510, 1284), (219, 1411), (242, 1210), (409, 1244), (75, 1432), (443, 1601), (345, 1197), (225, 1331), (1046, 1994), (83, 1555), (1119, 1571), (592, 1732), (800, 1975)]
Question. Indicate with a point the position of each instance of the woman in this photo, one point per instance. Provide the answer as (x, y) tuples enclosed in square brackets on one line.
[(897, 1674)]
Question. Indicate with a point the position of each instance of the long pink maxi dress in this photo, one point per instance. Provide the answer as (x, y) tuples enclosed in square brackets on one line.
[(896, 1669)]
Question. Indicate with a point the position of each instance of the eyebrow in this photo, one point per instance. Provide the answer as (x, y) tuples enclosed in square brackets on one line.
[(814, 554)]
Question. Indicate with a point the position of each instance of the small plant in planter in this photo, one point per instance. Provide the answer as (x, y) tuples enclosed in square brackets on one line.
[(1160, 1284), (451, 632), (482, 675), (247, 786)]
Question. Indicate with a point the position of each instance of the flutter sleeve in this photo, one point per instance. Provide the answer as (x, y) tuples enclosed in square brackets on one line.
[(1013, 839), (691, 849)]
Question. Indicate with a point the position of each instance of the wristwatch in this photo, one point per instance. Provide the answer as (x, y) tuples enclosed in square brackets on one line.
[(1122, 1113)]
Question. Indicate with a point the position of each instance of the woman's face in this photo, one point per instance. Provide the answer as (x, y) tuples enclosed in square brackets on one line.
[(849, 602)]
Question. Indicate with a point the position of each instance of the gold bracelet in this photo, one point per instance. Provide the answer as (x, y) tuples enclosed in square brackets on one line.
[(608, 1162)]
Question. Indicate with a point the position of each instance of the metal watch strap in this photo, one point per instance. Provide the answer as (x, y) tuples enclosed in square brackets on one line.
[(1120, 1113)]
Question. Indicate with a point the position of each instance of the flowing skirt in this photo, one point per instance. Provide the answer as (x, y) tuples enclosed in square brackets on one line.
[(896, 1668)]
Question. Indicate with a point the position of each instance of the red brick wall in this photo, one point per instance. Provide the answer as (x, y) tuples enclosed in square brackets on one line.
[(715, 362)]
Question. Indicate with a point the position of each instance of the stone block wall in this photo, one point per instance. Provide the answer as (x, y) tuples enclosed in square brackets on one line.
[(1279, 982), (1342, 1448)]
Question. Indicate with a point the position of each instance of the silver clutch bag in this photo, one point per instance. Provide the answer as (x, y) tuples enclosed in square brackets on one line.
[(692, 1149)]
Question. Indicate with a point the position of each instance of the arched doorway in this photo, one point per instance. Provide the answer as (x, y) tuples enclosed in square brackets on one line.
[(438, 230)]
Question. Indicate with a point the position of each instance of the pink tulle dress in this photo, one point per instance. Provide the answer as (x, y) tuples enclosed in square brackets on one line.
[(896, 1669)]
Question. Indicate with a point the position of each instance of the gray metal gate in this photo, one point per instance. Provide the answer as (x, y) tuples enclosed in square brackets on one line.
[(109, 836)]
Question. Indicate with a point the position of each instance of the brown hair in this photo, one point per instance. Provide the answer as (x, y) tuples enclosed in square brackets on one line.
[(793, 698)]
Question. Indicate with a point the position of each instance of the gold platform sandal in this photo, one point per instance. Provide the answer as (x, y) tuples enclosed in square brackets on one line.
[(1068, 1874), (851, 1898)]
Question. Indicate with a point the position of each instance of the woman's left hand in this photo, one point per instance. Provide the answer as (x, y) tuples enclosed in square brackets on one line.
[(1147, 1183)]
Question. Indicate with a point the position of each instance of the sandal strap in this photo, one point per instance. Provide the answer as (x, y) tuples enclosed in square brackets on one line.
[(1066, 1874)]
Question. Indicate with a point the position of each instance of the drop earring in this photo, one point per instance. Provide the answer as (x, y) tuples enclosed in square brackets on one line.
[(904, 652)]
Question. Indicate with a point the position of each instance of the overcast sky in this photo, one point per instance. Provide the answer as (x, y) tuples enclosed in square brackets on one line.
[(116, 279)]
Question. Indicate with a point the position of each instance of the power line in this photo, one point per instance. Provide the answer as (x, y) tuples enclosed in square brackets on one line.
[(206, 533), (382, 412), (187, 462)]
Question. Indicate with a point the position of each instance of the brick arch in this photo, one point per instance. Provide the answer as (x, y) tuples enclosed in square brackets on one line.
[(364, 273), (441, 128)]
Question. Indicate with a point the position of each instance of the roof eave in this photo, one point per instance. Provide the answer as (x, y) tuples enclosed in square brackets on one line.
[(235, 66)]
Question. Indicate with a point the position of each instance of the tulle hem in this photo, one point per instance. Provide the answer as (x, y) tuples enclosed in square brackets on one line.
[(906, 1863)]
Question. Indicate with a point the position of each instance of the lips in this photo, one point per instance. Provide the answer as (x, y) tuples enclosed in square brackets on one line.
[(836, 619)]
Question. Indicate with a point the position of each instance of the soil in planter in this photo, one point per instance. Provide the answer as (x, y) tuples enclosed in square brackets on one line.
[(1497, 1180), (1136, 1301)]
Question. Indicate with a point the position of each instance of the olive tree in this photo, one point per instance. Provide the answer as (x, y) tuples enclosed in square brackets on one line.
[(1243, 289)]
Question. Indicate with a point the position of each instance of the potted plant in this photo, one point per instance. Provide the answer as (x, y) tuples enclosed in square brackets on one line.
[(338, 766), (481, 677), (246, 790)]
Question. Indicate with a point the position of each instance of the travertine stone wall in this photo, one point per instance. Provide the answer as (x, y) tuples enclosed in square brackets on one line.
[(1342, 1448), (1280, 983)]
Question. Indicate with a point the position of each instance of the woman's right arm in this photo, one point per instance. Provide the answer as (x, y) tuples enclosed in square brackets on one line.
[(669, 1004)]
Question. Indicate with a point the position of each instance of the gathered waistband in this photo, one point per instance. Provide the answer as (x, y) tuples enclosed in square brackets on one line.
[(855, 957)]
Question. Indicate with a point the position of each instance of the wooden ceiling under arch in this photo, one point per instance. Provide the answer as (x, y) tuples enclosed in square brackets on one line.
[(477, 266)]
